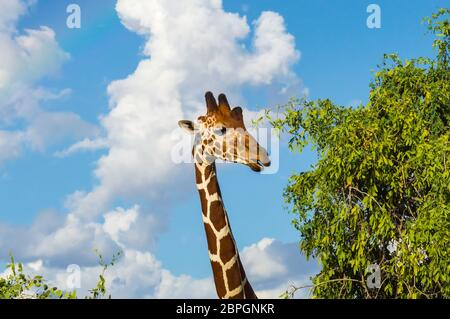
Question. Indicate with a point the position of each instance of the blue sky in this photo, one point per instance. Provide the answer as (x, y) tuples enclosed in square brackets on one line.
[(337, 50)]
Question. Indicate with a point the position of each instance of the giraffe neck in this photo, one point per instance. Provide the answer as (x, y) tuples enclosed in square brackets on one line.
[(229, 275)]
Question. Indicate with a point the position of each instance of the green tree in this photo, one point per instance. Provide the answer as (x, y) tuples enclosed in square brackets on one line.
[(379, 193)]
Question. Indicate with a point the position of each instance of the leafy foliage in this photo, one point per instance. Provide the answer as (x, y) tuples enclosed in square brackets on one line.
[(99, 291), (18, 285), (380, 191)]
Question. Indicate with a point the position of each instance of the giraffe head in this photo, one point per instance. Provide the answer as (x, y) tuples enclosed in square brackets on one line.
[(221, 134)]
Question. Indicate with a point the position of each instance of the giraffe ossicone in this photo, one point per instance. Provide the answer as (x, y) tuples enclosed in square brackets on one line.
[(221, 134)]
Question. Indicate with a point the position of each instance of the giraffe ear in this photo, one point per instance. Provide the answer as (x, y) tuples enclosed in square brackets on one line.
[(188, 126)]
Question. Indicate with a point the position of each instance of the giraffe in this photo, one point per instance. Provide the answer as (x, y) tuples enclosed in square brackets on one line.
[(221, 134)]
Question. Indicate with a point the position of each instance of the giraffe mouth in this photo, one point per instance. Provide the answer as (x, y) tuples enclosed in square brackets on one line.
[(258, 166)]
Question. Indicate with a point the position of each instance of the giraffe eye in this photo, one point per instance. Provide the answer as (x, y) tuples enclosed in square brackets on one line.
[(220, 131)]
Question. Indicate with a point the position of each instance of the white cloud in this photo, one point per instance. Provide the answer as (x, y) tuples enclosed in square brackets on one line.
[(49, 128), (86, 144), (11, 10), (39, 49), (273, 267), (274, 51), (10, 145), (36, 266), (260, 263), (26, 58), (178, 287)]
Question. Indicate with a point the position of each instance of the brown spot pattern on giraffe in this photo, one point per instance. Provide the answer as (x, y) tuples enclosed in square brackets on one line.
[(208, 171), (212, 187), (217, 215), (248, 289), (234, 278), (227, 250), (211, 239), (249, 292), (203, 202), (218, 279)]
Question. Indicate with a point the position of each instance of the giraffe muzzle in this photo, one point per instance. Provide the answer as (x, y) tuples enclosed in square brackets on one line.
[(263, 157), (265, 164), (262, 161)]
